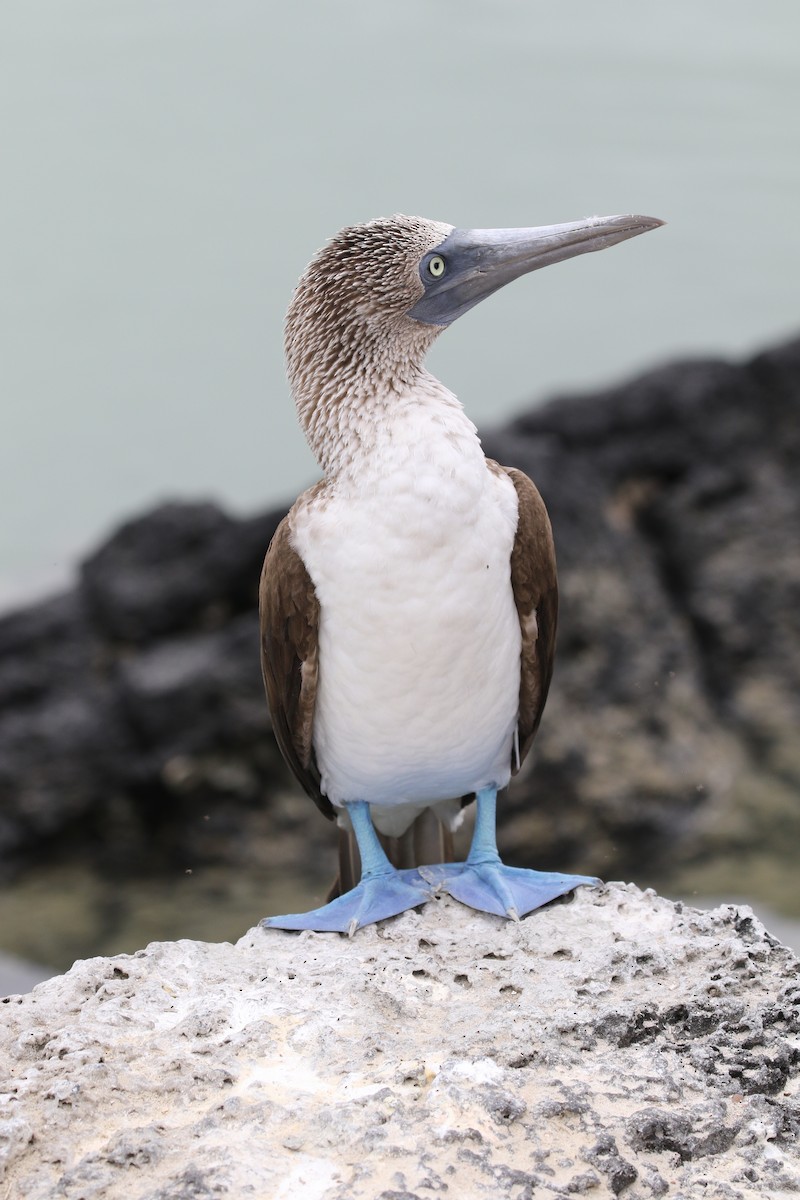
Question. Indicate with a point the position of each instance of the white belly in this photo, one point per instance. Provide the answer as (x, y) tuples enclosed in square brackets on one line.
[(419, 641)]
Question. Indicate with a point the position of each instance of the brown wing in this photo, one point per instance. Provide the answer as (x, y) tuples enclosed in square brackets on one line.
[(289, 612), (535, 584)]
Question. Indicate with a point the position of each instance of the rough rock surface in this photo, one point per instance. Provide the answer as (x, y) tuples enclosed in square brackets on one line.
[(133, 728), (615, 1044)]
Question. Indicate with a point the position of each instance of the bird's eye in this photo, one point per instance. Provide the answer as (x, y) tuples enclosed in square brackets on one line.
[(436, 266)]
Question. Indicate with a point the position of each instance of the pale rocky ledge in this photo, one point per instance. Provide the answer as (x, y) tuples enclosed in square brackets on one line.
[(613, 1044)]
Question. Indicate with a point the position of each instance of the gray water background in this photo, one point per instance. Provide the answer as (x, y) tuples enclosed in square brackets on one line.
[(167, 167)]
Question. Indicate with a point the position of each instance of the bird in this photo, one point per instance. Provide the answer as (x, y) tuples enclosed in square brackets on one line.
[(408, 601)]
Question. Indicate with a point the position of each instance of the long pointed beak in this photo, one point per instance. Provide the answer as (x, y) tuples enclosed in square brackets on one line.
[(470, 264)]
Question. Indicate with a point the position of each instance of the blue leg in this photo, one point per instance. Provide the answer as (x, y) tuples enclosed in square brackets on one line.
[(485, 883), (382, 892)]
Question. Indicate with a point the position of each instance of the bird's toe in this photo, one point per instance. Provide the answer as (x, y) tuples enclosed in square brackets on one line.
[(373, 899), (505, 891)]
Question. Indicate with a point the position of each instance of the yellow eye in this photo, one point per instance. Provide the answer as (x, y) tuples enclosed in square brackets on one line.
[(436, 266)]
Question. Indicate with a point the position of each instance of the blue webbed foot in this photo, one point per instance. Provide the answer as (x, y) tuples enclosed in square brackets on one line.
[(485, 883), (374, 898), (383, 890), (506, 891)]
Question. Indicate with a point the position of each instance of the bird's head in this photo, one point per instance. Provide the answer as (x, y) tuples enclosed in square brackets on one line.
[(350, 312), (372, 301)]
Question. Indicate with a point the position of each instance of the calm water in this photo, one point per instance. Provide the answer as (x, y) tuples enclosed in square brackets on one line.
[(168, 168)]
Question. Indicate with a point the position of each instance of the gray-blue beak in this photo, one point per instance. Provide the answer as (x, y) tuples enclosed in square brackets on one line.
[(470, 264)]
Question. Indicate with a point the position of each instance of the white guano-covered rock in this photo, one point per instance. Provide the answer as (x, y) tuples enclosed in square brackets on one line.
[(614, 1044)]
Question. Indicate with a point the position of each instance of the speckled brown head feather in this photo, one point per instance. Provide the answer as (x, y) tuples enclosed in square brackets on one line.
[(348, 335)]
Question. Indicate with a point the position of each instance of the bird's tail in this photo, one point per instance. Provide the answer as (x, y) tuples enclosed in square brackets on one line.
[(425, 841)]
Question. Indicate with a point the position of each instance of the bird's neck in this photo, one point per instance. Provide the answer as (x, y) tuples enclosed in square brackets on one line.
[(370, 418)]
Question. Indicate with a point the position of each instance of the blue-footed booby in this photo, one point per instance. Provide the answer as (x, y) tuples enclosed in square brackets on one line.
[(409, 599)]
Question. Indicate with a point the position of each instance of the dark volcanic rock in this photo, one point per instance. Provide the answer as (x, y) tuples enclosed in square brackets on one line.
[(132, 715), (132, 712), (170, 569)]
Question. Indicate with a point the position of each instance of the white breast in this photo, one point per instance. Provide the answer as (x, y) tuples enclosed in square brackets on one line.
[(419, 641)]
